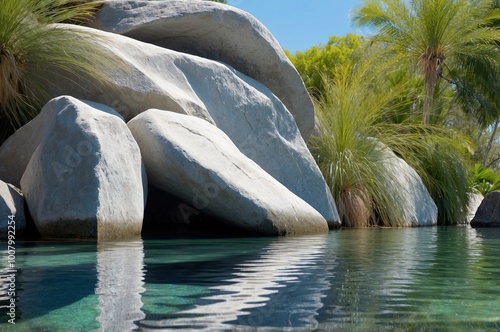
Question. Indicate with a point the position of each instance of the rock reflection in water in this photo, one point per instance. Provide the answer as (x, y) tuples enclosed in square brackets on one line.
[(120, 281), (265, 291)]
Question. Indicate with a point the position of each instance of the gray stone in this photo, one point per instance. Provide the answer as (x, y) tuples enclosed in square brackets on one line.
[(16, 151), (218, 32), (12, 219), (488, 213), (85, 178), (195, 161), (249, 113), (417, 205), (475, 200)]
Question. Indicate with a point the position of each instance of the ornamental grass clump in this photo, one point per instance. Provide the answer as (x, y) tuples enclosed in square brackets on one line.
[(32, 45), (360, 117), (350, 157)]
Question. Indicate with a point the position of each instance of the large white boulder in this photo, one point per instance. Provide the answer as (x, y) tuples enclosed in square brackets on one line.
[(214, 31), (195, 161), (12, 219), (417, 205), (249, 113), (85, 178)]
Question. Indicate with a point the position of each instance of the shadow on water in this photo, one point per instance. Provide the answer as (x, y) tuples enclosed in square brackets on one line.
[(49, 276)]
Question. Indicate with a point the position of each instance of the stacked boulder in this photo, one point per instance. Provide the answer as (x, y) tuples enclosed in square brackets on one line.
[(80, 171), (199, 103), (225, 133)]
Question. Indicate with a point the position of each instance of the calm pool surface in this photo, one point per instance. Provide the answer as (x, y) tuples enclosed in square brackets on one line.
[(442, 279)]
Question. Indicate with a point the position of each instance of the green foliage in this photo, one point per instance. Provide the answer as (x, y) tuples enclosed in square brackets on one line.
[(351, 162), (31, 46), (360, 114), (318, 61), (486, 180), (453, 40)]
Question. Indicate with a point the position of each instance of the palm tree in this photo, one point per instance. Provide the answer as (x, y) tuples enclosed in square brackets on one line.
[(443, 39), (31, 45)]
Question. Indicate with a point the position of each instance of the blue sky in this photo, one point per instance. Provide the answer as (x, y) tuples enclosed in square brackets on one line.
[(300, 24)]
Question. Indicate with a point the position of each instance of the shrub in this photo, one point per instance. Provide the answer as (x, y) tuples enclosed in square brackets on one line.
[(31, 45), (358, 115)]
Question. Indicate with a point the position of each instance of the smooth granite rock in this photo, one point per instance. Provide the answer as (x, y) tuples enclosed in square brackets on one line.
[(16, 151), (488, 213), (218, 32), (195, 161), (12, 219), (245, 110), (85, 178), (419, 208), (475, 200)]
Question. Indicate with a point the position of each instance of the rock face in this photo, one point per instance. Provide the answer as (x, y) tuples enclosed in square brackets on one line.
[(488, 213), (85, 177), (214, 31), (245, 110), (195, 161), (418, 206), (474, 203), (16, 151), (11, 211)]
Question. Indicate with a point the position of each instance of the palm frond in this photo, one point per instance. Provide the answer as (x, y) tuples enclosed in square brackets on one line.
[(431, 35)]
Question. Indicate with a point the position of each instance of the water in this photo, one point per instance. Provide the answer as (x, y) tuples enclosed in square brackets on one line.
[(442, 279)]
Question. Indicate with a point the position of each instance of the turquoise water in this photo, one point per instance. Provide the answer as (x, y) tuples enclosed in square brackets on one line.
[(442, 279)]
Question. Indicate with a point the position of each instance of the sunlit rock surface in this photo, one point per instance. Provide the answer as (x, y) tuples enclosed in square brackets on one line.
[(418, 207), (85, 178), (195, 161), (475, 200), (214, 31), (12, 219), (245, 110)]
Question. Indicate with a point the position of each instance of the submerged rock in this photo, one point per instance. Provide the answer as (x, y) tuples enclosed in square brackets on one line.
[(218, 32), (85, 178), (488, 213), (195, 161), (245, 110), (12, 219)]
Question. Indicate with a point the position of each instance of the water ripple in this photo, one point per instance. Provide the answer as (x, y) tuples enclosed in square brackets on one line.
[(444, 279)]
